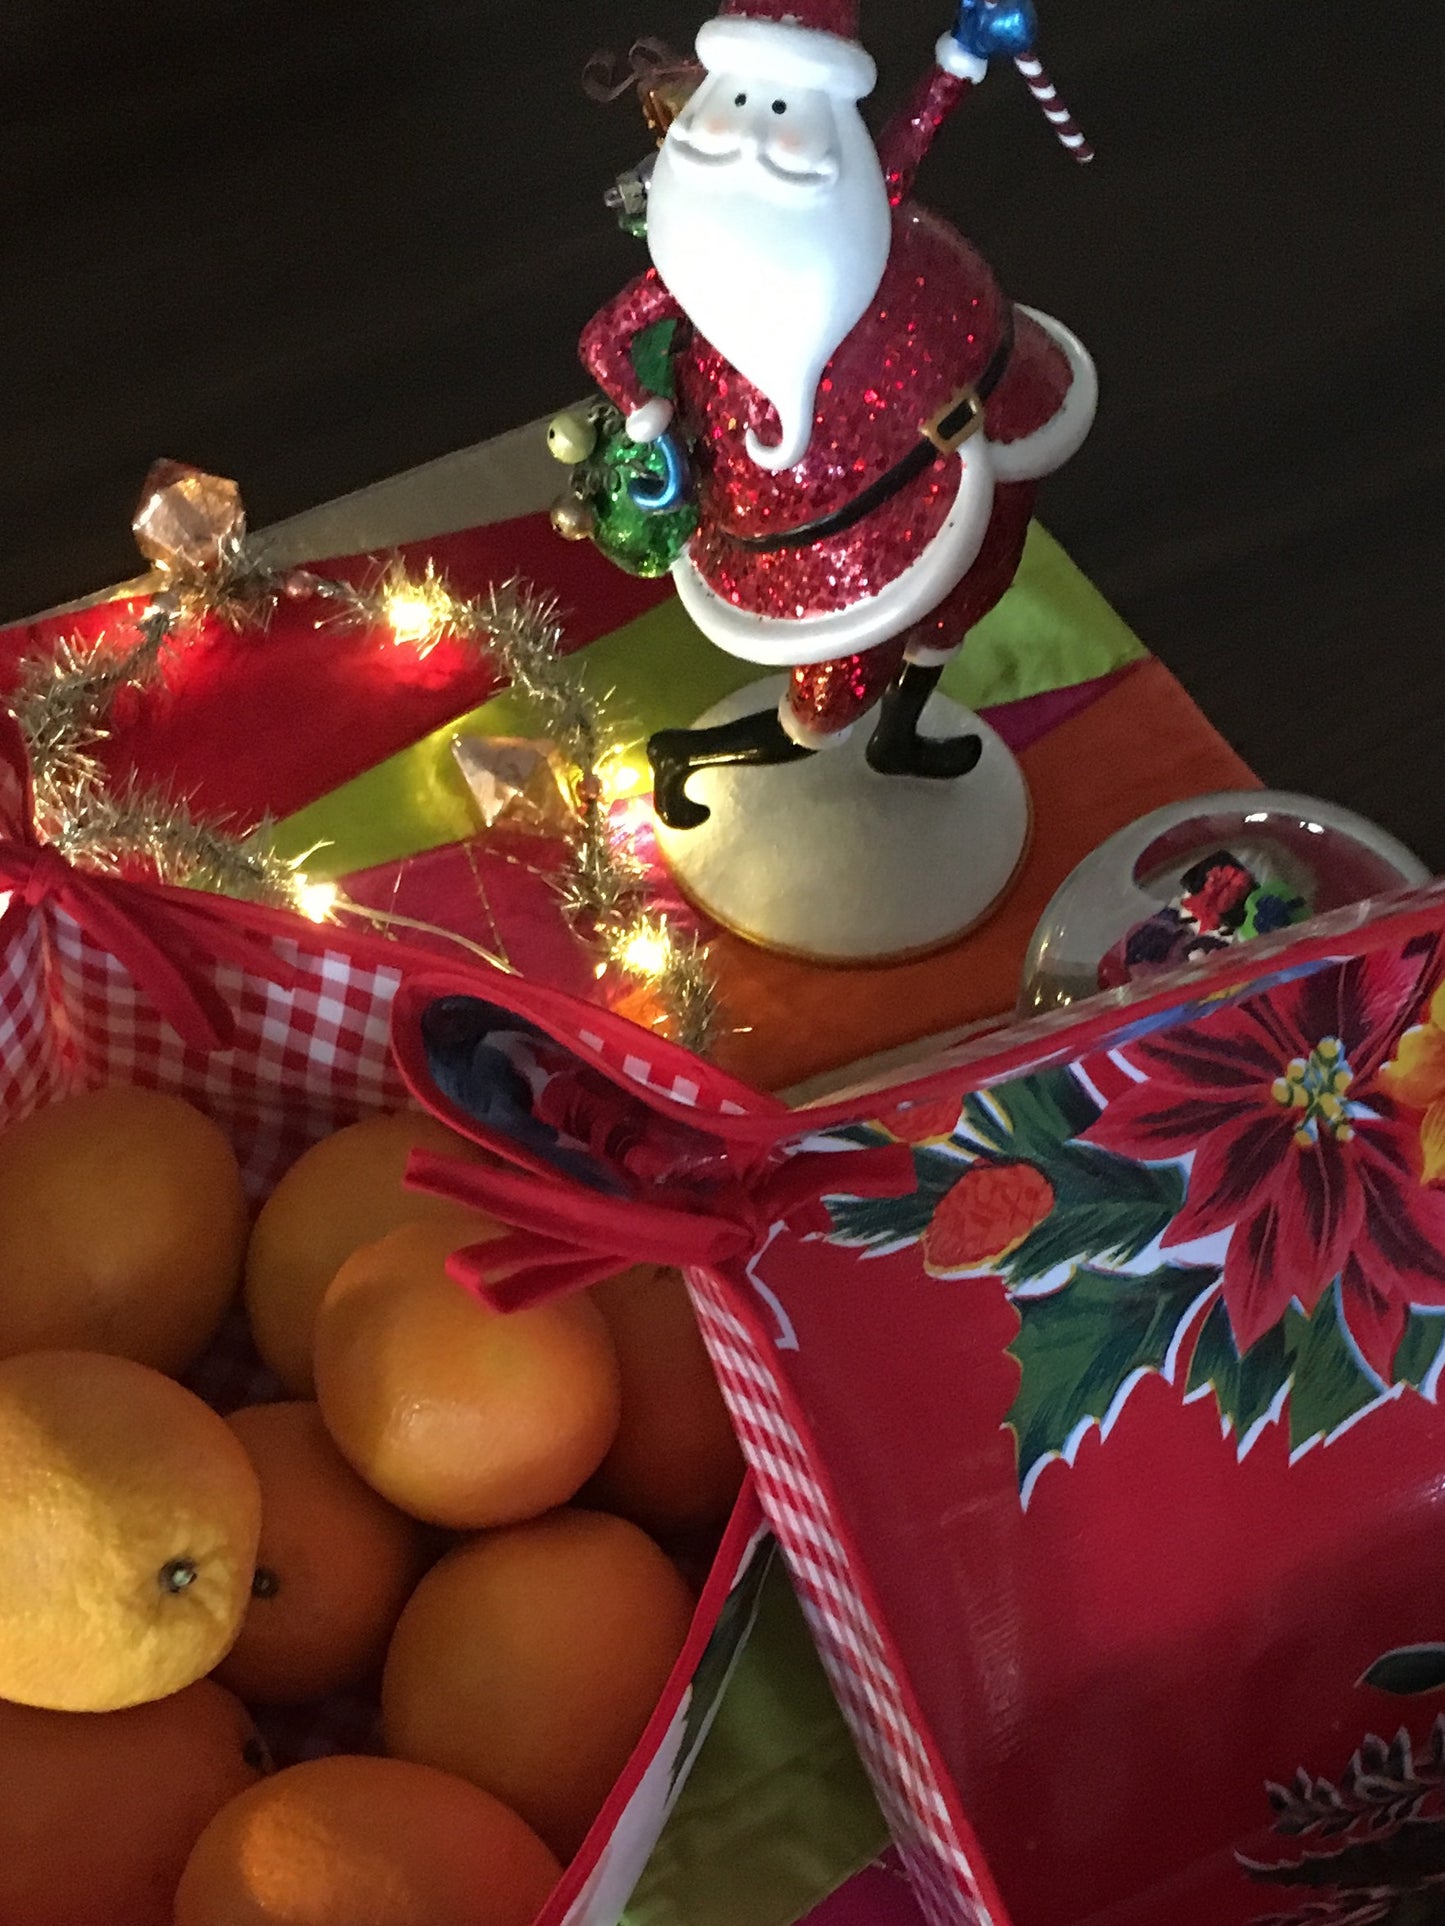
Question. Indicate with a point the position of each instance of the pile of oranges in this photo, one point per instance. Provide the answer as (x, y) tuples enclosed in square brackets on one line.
[(476, 1524)]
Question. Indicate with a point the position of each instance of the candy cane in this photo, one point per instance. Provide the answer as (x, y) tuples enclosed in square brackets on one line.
[(1055, 112)]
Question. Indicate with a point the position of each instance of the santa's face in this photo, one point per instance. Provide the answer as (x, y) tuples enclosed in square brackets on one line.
[(768, 218)]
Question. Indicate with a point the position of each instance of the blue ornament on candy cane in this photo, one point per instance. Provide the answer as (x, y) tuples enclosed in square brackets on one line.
[(1005, 28)]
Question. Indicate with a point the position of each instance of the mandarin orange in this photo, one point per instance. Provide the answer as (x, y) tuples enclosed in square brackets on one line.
[(675, 1465), (460, 1416), (122, 1228), (530, 1660), (101, 1809), (341, 1194), (335, 1565), (365, 1842)]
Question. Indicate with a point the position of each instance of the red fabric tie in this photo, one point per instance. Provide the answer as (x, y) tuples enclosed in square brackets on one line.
[(565, 1237)]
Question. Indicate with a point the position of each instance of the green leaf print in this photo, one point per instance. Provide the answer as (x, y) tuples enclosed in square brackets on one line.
[(1107, 1210), (885, 1221), (1331, 1386), (1245, 1388), (1408, 1671), (1030, 1120), (1080, 1350), (1419, 1349)]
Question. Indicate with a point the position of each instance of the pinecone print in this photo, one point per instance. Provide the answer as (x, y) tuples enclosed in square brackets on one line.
[(930, 1122), (985, 1216)]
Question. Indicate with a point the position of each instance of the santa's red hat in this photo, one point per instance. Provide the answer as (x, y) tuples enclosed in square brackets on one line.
[(790, 43)]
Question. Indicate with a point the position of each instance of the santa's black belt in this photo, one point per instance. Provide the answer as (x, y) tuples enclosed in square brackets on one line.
[(943, 436)]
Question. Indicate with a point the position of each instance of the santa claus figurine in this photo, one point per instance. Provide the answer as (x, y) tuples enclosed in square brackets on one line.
[(865, 412)]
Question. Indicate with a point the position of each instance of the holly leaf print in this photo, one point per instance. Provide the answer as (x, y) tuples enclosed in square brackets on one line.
[(1419, 1352), (1246, 1389), (1311, 1358), (1331, 1386), (1082, 1350)]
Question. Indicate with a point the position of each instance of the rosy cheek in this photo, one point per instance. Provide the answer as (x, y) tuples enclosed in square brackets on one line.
[(717, 126)]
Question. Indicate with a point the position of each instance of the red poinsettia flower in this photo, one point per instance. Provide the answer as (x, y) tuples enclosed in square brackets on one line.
[(1298, 1143)]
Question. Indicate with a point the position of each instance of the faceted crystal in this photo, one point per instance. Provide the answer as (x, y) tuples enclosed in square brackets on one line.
[(187, 522), (516, 783)]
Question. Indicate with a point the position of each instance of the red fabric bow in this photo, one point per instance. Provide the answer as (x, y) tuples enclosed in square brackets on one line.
[(565, 1237)]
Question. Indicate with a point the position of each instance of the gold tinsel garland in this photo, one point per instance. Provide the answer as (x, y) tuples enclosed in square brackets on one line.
[(63, 704)]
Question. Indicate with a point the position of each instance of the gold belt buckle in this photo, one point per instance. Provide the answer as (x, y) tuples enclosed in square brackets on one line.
[(949, 444)]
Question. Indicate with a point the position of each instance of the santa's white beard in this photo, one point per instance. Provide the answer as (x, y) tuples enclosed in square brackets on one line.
[(775, 275)]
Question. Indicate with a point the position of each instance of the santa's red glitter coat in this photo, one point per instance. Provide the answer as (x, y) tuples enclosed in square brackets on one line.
[(931, 329)]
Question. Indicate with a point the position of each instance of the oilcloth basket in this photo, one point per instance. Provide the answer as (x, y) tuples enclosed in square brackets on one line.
[(280, 1031), (1089, 1378)]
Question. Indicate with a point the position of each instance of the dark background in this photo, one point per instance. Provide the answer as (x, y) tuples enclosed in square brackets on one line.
[(308, 245)]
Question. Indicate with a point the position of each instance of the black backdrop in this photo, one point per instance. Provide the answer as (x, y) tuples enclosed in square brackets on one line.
[(308, 245)]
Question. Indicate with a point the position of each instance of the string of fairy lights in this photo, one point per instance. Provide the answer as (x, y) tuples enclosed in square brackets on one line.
[(206, 571)]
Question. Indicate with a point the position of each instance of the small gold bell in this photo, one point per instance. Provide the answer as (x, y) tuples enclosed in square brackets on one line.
[(573, 518), (571, 437)]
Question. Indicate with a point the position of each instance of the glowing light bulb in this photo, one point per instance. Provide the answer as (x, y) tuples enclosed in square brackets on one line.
[(619, 780), (646, 951), (316, 901), (419, 613)]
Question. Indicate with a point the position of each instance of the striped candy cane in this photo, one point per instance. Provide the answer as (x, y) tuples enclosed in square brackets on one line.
[(1055, 112)]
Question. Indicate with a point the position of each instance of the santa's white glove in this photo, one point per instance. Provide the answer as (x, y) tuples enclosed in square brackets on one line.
[(651, 421), (955, 59)]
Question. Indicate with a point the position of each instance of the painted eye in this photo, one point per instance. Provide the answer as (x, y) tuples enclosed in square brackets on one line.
[(780, 106), (741, 101)]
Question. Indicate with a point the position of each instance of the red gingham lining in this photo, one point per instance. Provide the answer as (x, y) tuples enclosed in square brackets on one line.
[(305, 1060), (943, 1860), (32, 1067)]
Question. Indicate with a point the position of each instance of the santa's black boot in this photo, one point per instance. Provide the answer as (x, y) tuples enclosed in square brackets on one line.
[(676, 753), (897, 749)]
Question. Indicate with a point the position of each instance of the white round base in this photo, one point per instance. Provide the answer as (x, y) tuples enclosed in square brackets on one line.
[(828, 860)]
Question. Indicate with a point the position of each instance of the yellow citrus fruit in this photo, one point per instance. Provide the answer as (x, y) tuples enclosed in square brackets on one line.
[(100, 1810), (129, 1517), (123, 1227), (460, 1416), (343, 1193), (335, 1565), (365, 1842), (530, 1661), (675, 1465)]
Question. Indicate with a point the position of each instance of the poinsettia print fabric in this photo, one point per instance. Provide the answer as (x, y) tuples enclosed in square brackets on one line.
[(1243, 1199)]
